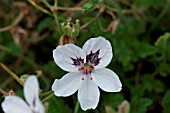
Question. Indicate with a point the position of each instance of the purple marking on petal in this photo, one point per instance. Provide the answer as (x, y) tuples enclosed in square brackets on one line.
[(33, 103), (78, 61), (93, 58)]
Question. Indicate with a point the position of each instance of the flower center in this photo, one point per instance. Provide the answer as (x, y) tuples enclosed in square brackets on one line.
[(87, 69), (93, 58)]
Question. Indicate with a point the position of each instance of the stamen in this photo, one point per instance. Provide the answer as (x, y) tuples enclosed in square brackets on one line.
[(91, 78), (79, 69), (85, 68), (82, 78), (90, 69)]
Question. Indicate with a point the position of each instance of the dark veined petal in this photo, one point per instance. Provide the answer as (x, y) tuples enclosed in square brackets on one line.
[(68, 57), (98, 52)]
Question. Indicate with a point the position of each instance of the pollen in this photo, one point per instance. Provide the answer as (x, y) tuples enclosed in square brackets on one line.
[(82, 78)]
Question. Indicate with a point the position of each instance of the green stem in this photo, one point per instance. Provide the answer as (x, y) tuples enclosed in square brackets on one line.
[(48, 97), (12, 74), (46, 3), (76, 107), (40, 8), (56, 16), (55, 3), (57, 22), (46, 93)]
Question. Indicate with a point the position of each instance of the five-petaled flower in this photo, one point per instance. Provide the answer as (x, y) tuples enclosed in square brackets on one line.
[(14, 104), (87, 71)]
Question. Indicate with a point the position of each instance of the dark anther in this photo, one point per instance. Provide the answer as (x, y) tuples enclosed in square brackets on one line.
[(93, 58), (78, 61)]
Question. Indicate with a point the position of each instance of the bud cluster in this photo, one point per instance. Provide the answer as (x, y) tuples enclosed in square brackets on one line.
[(71, 29)]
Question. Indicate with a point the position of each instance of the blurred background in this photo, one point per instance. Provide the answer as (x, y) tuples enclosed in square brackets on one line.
[(137, 29)]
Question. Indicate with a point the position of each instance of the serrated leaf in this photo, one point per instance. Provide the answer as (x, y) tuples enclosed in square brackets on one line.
[(89, 6), (163, 40)]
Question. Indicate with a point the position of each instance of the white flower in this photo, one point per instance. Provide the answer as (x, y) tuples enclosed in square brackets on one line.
[(87, 71), (14, 104)]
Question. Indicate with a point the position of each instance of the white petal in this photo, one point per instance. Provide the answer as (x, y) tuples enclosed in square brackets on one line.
[(62, 56), (14, 104), (88, 94), (107, 80), (68, 84), (105, 53), (39, 106), (31, 90)]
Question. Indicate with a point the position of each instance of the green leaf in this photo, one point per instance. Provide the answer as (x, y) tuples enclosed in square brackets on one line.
[(124, 54), (139, 105), (147, 3), (56, 104), (89, 6), (95, 1), (145, 50), (163, 41), (163, 69), (113, 100), (45, 23), (152, 84), (166, 102), (14, 49)]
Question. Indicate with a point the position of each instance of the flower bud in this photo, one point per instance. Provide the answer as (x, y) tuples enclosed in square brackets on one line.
[(124, 107), (24, 77), (71, 29)]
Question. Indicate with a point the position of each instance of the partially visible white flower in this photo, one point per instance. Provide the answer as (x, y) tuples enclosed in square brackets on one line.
[(14, 104), (87, 71)]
